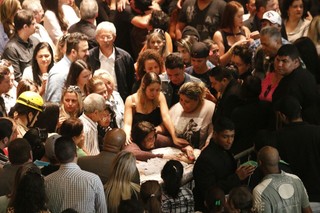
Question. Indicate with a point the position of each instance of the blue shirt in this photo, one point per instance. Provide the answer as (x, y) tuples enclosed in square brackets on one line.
[(56, 80)]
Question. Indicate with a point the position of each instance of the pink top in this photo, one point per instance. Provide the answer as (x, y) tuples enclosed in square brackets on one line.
[(268, 87)]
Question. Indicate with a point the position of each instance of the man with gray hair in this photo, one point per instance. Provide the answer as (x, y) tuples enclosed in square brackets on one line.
[(269, 18), (271, 41), (93, 107), (115, 60), (89, 13)]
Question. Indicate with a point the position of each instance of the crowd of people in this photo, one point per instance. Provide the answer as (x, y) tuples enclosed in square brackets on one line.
[(88, 87)]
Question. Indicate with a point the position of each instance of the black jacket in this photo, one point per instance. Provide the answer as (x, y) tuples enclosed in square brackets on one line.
[(124, 69), (299, 145), (301, 84), (214, 167), (229, 101)]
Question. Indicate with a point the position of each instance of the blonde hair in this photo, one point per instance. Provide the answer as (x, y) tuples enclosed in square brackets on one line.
[(158, 33), (314, 30), (105, 76), (8, 10), (93, 82), (72, 89), (119, 186), (193, 90)]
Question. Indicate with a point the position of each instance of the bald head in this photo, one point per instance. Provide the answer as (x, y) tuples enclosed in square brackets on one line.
[(269, 157), (114, 140)]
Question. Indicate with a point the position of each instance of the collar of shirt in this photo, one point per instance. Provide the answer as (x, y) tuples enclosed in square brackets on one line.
[(102, 57), (89, 121), (27, 44), (66, 60), (70, 165)]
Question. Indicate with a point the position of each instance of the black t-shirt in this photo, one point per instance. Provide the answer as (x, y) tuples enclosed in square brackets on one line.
[(175, 96), (206, 21)]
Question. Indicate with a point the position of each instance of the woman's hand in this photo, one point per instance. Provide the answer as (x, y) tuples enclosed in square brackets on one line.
[(309, 16), (180, 142), (190, 152), (121, 4), (179, 3), (42, 89), (128, 140), (209, 96)]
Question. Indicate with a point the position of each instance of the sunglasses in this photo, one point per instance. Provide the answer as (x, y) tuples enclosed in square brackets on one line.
[(73, 88), (64, 38), (157, 30)]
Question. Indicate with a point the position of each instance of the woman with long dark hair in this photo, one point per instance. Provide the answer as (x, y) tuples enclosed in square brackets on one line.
[(28, 194), (294, 15), (232, 31), (79, 75), (150, 194), (174, 197), (42, 62)]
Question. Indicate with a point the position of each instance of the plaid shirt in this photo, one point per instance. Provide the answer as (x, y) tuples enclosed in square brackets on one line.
[(71, 187), (183, 203)]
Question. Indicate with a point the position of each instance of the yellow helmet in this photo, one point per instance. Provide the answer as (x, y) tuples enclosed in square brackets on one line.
[(31, 99)]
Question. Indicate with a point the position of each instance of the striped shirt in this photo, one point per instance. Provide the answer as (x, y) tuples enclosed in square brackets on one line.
[(71, 187), (90, 129)]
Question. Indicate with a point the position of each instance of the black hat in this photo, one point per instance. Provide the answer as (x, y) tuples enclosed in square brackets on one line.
[(190, 31), (199, 50)]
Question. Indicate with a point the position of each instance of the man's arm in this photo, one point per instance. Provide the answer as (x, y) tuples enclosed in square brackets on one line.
[(306, 210), (179, 28), (53, 89), (259, 205)]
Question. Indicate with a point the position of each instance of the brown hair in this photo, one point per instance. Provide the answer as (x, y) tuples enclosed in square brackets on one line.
[(229, 13), (148, 54)]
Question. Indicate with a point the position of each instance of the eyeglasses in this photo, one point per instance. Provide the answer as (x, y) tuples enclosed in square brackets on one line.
[(106, 37), (157, 30), (73, 88), (160, 32)]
